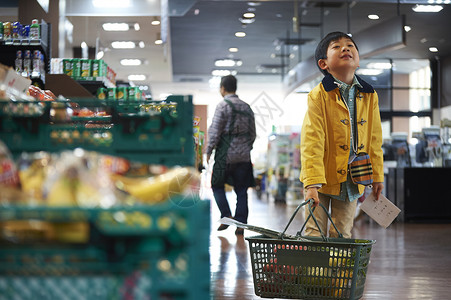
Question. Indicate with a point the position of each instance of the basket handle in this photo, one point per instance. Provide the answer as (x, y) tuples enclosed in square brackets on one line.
[(310, 202)]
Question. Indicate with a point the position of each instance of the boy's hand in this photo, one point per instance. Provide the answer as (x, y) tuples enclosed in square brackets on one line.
[(377, 189), (312, 193)]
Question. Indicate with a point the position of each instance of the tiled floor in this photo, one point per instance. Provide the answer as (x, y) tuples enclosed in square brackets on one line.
[(408, 261)]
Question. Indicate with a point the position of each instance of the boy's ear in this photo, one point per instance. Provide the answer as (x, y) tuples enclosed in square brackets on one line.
[(322, 64)]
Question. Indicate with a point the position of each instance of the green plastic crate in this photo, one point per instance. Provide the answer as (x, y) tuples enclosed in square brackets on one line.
[(154, 132), (164, 256)]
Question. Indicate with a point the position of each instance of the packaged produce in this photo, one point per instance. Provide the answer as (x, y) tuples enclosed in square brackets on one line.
[(121, 93), (76, 65), (112, 93), (134, 93), (68, 67), (85, 69), (8, 171), (97, 68), (102, 93), (156, 189)]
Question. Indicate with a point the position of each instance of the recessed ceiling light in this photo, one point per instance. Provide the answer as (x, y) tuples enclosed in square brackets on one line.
[(251, 3), (427, 8), (407, 28), (233, 49), (369, 72), (136, 77), (137, 27), (155, 21), (115, 27), (249, 15), (100, 54), (433, 49), (158, 42), (223, 72), (131, 62), (373, 17), (240, 34), (123, 45), (141, 44), (111, 3), (225, 63), (379, 65)]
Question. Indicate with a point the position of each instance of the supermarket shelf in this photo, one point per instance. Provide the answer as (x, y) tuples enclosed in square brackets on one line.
[(154, 132)]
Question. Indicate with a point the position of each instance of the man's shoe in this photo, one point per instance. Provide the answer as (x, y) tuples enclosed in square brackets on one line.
[(223, 227), (239, 231)]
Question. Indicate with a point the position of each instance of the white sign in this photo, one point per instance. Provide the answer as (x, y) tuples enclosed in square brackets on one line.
[(383, 211)]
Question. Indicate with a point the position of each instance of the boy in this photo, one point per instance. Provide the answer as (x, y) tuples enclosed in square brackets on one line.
[(342, 119)]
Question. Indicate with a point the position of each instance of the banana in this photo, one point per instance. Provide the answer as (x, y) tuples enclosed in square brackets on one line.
[(157, 188)]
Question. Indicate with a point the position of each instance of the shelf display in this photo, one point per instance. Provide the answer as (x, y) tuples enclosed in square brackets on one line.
[(26, 50), (101, 195), (283, 168)]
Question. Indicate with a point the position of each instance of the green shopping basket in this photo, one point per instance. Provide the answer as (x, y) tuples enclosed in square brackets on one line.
[(309, 267)]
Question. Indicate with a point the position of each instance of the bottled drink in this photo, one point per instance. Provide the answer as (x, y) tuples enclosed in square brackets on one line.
[(1, 31), (34, 30), (18, 62), (26, 63)]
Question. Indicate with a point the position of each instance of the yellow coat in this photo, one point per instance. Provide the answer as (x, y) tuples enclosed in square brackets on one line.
[(326, 134)]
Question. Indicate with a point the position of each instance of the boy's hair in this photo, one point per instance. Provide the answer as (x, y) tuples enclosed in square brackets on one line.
[(321, 49), (229, 83)]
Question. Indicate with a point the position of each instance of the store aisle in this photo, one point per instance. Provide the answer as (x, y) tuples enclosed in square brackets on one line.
[(409, 261)]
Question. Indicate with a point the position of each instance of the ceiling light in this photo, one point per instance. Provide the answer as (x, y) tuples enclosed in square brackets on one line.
[(136, 26), (379, 65), (254, 3), (228, 62), (137, 77), (369, 72), (249, 15), (131, 62), (427, 8), (141, 44), (123, 45), (158, 42), (225, 63), (155, 21), (84, 45), (240, 34), (115, 27), (111, 3), (373, 17), (433, 49), (233, 49), (100, 54), (222, 72), (407, 28), (245, 21)]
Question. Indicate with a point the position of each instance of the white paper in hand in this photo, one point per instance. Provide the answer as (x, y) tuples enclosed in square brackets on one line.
[(383, 211)]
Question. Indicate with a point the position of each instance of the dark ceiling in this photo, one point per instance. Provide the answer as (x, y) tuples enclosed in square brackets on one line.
[(206, 32)]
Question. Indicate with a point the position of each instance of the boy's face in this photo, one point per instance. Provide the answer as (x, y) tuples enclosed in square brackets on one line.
[(342, 56)]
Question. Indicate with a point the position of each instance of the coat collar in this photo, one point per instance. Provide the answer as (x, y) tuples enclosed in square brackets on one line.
[(329, 85)]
